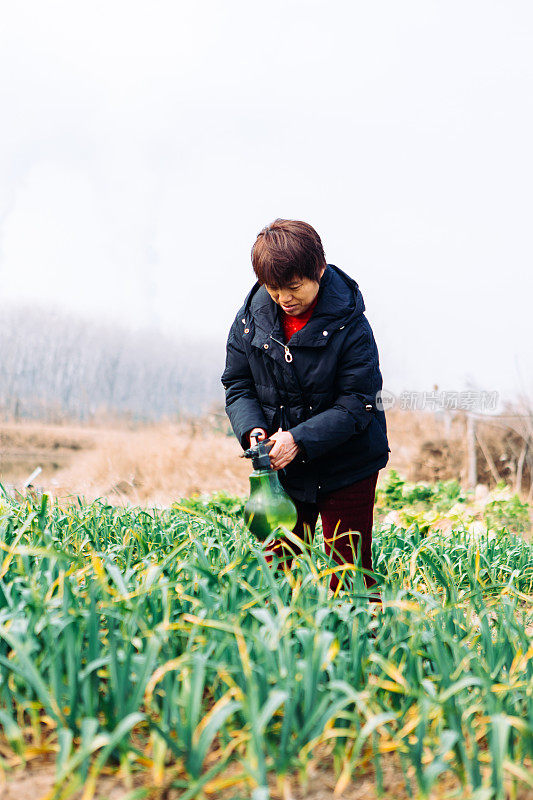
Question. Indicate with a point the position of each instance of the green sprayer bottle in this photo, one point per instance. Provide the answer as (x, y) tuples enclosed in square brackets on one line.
[(269, 506)]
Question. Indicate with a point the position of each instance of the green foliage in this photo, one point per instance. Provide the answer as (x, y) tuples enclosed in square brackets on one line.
[(512, 514), (390, 495), (396, 493), (219, 503), (132, 636)]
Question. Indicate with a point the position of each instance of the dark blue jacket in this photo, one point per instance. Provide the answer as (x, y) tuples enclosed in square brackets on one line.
[(321, 386)]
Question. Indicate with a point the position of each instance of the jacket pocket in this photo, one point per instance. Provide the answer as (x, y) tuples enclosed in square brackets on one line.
[(379, 436)]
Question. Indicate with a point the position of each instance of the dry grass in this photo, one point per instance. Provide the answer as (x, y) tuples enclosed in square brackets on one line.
[(159, 463), (150, 464)]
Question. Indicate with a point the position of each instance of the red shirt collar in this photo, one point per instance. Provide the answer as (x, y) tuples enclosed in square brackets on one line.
[(292, 324)]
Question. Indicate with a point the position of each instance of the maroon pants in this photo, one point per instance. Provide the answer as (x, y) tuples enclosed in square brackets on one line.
[(348, 509)]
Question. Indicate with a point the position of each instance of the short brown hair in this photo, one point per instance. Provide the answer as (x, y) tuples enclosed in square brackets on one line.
[(287, 249)]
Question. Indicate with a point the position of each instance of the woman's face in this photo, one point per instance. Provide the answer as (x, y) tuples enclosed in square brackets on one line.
[(297, 296)]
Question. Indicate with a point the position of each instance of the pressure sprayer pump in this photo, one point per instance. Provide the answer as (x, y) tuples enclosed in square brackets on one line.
[(268, 506)]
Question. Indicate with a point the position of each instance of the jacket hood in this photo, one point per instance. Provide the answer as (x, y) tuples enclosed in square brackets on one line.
[(339, 300)]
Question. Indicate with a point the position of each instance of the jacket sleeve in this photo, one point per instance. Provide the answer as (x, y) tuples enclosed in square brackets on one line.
[(357, 381), (242, 403)]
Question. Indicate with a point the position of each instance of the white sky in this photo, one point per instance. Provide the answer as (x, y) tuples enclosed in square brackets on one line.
[(143, 145)]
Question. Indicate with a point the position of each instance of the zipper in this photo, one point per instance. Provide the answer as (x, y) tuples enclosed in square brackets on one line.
[(288, 354), (288, 358)]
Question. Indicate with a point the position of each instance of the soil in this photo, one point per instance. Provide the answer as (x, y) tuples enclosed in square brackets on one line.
[(36, 781)]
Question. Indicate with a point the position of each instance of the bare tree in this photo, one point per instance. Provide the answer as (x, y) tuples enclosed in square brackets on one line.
[(54, 365)]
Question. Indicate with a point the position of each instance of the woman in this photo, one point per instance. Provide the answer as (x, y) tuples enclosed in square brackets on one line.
[(302, 368)]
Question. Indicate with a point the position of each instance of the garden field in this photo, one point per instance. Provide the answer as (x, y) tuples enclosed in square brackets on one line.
[(153, 653)]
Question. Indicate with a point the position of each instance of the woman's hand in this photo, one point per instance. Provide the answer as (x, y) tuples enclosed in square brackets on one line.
[(284, 449), (256, 435)]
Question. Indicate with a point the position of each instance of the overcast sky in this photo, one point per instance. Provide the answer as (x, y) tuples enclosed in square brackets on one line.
[(143, 145)]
